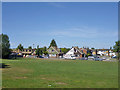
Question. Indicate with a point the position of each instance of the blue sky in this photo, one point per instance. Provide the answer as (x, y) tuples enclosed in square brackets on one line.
[(87, 24)]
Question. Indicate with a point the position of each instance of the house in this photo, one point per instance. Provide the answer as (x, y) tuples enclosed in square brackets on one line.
[(55, 52), (94, 52), (24, 51), (29, 51), (111, 53), (103, 52), (77, 52)]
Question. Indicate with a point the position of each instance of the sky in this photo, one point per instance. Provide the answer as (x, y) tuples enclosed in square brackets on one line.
[(88, 24)]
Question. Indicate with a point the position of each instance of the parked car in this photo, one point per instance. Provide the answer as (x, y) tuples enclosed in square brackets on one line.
[(91, 57), (46, 57), (114, 56), (40, 57), (83, 58), (104, 58), (98, 59), (70, 57)]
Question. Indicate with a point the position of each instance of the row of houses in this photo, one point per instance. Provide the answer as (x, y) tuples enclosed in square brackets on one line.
[(54, 52)]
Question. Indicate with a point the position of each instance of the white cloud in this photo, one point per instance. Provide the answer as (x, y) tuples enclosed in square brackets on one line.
[(83, 32), (55, 4), (12, 44)]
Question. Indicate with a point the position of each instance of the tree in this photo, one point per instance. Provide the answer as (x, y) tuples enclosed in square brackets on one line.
[(110, 48), (4, 43), (45, 48), (39, 51), (92, 48), (116, 48), (20, 47), (65, 50), (53, 43), (45, 51), (30, 47)]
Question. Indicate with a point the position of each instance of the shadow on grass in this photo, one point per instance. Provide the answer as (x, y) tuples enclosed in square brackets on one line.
[(17, 58), (3, 65)]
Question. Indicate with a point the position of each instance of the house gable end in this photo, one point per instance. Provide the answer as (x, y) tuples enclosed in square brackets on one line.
[(52, 50)]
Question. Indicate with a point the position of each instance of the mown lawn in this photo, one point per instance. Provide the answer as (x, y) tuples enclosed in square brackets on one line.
[(41, 73)]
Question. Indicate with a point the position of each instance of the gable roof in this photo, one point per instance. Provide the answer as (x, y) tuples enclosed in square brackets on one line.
[(74, 50), (79, 50), (56, 49)]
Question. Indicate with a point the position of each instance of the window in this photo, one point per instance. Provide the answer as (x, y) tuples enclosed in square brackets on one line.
[(82, 51), (75, 50)]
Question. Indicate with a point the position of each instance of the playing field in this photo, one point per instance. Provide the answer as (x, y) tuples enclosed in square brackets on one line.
[(46, 73)]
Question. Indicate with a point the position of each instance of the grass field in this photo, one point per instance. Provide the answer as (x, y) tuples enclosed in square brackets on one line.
[(41, 73)]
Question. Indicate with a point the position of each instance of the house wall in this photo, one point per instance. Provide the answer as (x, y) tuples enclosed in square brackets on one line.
[(81, 56), (52, 55), (25, 52), (85, 51), (112, 54), (51, 51), (93, 53), (74, 52), (70, 53), (105, 53)]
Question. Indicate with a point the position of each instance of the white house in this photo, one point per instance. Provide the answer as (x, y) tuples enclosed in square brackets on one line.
[(111, 53), (103, 52), (75, 52), (100, 53)]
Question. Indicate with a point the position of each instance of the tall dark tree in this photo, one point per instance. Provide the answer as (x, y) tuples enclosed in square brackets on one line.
[(53, 43), (116, 48), (20, 47), (30, 47), (4, 43)]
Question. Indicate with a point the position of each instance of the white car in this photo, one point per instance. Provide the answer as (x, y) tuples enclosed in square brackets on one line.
[(70, 57), (104, 58), (91, 57)]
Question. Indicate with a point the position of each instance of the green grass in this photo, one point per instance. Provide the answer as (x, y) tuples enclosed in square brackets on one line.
[(41, 73)]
